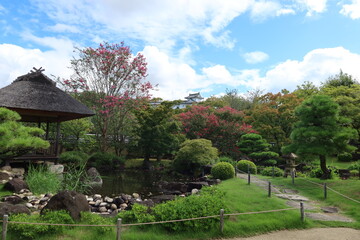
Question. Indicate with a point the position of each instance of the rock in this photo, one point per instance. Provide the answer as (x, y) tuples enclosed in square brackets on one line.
[(94, 177), (123, 206), (197, 185), (135, 195), (89, 199), (29, 205), (171, 187), (13, 199), (103, 204), (162, 198), (194, 191), (57, 169), (4, 177), (8, 209), (113, 206), (6, 168), (97, 196), (102, 209), (71, 201), (98, 202), (330, 209), (44, 200), (108, 200), (15, 185), (92, 203), (18, 171), (293, 197), (148, 203), (118, 201)]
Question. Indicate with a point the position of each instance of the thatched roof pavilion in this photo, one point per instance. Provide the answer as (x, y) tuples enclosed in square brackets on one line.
[(37, 99)]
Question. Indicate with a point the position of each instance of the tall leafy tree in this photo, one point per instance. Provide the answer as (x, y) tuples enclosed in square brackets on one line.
[(17, 139), (273, 117), (320, 131), (115, 80), (158, 131)]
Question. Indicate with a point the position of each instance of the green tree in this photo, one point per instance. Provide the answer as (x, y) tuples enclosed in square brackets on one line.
[(73, 131), (341, 79), (257, 149), (320, 131), (194, 154), (158, 132), (306, 90), (17, 139)]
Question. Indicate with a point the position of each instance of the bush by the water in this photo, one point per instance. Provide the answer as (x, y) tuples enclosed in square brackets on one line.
[(208, 203), (268, 171), (41, 180), (243, 165), (345, 157), (105, 160), (73, 157), (223, 170), (30, 231), (194, 154)]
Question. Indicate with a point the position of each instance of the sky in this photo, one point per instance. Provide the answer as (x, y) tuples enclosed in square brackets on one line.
[(206, 46)]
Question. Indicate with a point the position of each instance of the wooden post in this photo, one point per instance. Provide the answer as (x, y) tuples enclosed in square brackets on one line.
[(118, 229), (269, 190), (221, 220), (325, 191), (293, 177), (302, 212), (249, 174), (4, 226)]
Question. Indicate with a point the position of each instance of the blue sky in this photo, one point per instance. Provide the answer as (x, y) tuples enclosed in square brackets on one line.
[(190, 45)]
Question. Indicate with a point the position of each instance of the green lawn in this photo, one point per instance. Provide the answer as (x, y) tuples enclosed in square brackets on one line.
[(240, 197), (350, 188)]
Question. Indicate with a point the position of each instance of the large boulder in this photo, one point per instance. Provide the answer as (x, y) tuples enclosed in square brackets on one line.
[(4, 177), (13, 199), (71, 201), (8, 209), (172, 187), (15, 185)]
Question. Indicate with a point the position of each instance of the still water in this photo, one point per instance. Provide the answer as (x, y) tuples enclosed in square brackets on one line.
[(133, 181)]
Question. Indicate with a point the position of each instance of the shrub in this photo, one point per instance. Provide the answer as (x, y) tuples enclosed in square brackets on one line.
[(317, 173), (354, 173), (242, 165), (96, 219), (268, 171), (194, 154), (270, 162), (345, 157), (208, 203), (105, 160), (29, 231), (354, 166), (228, 160), (138, 214), (41, 180), (75, 178), (223, 170), (73, 157)]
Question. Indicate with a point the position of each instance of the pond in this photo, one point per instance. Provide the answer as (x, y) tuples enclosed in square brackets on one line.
[(130, 181)]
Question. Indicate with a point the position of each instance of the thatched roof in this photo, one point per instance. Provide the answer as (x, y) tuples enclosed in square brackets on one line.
[(36, 98)]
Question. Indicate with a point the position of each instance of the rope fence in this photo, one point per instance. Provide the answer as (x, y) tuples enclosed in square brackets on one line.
[(5, 222)]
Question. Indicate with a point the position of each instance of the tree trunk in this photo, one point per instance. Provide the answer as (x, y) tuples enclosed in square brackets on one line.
[(146, 163), (325, 170)]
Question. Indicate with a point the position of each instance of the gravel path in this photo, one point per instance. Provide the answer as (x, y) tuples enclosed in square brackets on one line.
[(309, 234)]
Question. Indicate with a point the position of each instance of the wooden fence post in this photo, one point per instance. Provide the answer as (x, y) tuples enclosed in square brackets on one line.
[(249, 174), (4, 226), (118, 229), (269, 190), (221, 220), (302, 212), (325, 191)]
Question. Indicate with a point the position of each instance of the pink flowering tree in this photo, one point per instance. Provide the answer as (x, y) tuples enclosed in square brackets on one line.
[(223, 126), (111, 80)]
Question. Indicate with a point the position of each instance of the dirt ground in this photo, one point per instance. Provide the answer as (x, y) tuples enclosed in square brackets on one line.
[(309, 234)]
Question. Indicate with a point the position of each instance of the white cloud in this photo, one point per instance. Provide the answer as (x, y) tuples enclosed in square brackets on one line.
[(16, 61), (313, 6), (316, 67), (59, 27), (351, 10), (255, 57)]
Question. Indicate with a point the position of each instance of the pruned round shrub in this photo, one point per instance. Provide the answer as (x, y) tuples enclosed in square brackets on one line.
[(223, 171), (194, 154), (105, 160), (243, 165), (318, 173), (73, 157), (345, 157), (270, 162), (268, 171)]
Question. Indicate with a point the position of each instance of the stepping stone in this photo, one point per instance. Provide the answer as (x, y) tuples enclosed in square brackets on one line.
[(307, 206), (330, 209), (293, 197), (290, 191), (328, 217)]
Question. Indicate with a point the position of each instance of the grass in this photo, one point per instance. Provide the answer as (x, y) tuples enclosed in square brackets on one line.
[(240, 197), (350, 188), (333, 161), (41, 180)]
